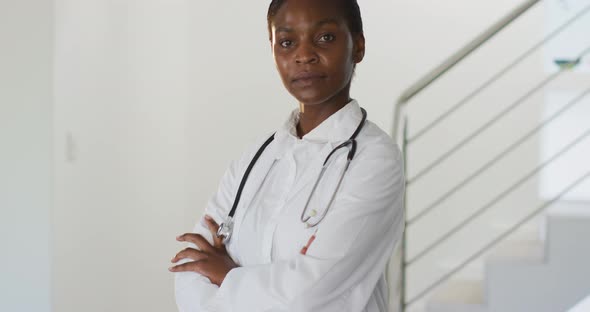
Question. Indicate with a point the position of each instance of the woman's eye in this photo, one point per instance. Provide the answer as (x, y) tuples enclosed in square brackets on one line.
[(327, 38), (286, 43)]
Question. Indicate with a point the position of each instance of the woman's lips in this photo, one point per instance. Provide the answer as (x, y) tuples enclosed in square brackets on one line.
[(307, 78)]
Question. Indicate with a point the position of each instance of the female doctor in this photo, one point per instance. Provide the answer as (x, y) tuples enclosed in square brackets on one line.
[(310, 215)]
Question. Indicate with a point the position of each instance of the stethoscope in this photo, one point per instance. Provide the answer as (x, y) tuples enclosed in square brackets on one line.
[(226, 228)]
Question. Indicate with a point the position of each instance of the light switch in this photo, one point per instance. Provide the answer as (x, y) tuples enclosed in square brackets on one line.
[(71, 150)]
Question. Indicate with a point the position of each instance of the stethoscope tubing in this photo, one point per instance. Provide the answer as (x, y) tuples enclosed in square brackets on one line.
[(226, 228), (303, 213)]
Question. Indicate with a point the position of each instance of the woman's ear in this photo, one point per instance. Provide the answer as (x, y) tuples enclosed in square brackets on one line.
[(359, 48)]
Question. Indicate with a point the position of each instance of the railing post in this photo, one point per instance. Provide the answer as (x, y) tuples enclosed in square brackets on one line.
[(405, 207)]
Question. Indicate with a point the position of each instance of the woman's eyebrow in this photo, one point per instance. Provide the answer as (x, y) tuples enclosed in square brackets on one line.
[(327, 21), (286, 29), (283, 29)]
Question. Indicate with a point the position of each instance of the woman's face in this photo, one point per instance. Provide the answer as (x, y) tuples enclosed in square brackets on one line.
[(314, 50)]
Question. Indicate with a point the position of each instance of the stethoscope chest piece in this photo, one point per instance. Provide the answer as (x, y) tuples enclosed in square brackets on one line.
[(225, 229)]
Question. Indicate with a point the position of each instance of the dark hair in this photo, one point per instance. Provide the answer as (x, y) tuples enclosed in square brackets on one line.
[(350, 7)]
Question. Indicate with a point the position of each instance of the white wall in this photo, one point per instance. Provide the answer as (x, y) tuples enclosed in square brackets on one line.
[(26, 44), (121, 153)]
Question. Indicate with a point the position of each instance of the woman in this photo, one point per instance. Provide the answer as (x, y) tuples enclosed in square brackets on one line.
[(298, 245)]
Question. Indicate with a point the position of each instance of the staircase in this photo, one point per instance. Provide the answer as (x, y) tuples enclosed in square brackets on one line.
[(547, 276), (484, 231)]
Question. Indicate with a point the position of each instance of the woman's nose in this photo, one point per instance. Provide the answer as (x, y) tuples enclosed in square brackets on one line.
[(306, 54)]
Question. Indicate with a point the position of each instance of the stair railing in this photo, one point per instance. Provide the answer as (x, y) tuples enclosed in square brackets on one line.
[(400, 133)]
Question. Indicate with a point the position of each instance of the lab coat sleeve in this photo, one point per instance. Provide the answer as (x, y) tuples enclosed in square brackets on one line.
[(352, 247), (193, 290)]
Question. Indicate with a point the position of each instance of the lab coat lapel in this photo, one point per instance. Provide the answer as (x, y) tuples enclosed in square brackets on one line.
[(308, 179), (334, 130)]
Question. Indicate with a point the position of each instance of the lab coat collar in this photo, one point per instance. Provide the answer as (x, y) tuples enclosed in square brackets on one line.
[(335, 130)]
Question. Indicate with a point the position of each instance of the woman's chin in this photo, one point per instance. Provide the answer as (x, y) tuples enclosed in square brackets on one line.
[(311, 97)]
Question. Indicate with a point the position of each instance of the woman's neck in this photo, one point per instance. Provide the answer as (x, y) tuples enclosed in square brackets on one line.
[(311, 116)]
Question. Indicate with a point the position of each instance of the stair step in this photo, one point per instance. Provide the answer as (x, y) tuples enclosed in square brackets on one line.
[(582, 306), (469, 292), (524, 269), (532, 251), (569, 209)]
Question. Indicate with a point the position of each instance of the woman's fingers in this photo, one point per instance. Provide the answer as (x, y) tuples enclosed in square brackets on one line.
[(193, 266), (196, 239), (189, 253), (213, 228)]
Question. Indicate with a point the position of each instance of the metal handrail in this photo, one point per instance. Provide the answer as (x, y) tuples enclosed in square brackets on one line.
[(498, 75), (499, 156), (492, 121), (521, 100), (499, 197), (455, 59), (498, 239)]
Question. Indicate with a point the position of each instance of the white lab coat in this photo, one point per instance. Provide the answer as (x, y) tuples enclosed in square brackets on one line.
[(344, 268)]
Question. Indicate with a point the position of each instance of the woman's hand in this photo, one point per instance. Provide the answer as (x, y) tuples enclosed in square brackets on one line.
[(212, 262)]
